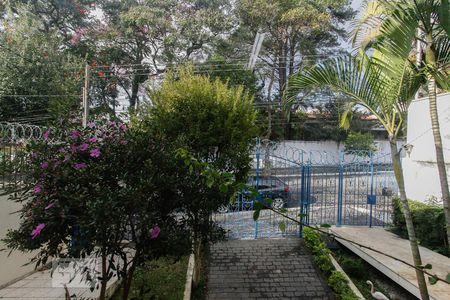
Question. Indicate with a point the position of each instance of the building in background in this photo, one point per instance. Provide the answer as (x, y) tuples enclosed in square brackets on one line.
[(419, 166)]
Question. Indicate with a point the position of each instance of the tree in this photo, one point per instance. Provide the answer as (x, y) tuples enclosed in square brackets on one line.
[(147, 36), (386, 93), (63, 16), (295, 30), (76, 204), (396, 26), (232, 73), (34, 63), (211, 125), (359, 143), (215, 122)]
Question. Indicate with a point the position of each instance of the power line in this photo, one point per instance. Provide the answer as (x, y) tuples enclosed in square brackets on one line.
[(244, 60), (42, 96)]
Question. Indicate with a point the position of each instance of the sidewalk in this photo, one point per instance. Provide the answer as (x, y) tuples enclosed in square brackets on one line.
[(264, 269)]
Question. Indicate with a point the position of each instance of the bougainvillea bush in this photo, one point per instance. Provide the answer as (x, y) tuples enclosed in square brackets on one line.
[(86, 193), (71, 182)]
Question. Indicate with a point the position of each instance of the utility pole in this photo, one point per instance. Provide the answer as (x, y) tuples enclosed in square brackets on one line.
[(86, 96), (259, 38)]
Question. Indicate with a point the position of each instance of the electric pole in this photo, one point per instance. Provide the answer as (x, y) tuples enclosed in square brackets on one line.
[(85, 104)]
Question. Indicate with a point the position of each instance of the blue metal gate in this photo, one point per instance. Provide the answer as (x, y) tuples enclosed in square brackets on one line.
[(314, 187)]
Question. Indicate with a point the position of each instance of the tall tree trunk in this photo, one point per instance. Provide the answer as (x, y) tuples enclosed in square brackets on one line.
[(134, 92), (104, 280), (398, 172), (198, 267), (128, 280), (440, 160)]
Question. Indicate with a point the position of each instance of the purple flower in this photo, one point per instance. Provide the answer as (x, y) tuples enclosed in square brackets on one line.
[(37, 230), (79, 166), (73, 148), (74, 134), (46, 134), (37, 189), (34, 155), (95, 152), (93, 139), (49, 206), (62, 150), (123, 126), (83, 147), (112, 124), (154, 232), (44, 165), (91, 124)]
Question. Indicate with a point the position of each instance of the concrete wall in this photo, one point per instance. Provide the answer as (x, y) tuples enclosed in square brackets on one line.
[(421, 174), (332, 146), (11, 266)]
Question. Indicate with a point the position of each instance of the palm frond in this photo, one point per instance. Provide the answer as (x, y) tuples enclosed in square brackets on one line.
[(367, 27)]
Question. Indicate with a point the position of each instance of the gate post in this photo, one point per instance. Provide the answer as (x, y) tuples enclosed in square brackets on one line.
[(302, 197), (258, 154), (371, 197), (340, 190)]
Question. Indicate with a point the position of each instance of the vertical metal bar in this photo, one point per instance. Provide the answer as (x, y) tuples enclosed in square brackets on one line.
[(371, 187), (308, 198), (258, 153), (302, 198), (340, 191)]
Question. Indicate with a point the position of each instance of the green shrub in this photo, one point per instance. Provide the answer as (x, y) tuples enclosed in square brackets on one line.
[(339, 284), (319, 250), (353, 267), (336, 280), (429, 223)]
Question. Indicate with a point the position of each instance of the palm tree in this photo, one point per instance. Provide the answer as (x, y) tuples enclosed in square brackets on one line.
[(386, 93), (396, 26)]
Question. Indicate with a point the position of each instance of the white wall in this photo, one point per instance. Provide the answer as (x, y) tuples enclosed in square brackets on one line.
[(325, 152), (11, 266), (332, 146), (421, 174)]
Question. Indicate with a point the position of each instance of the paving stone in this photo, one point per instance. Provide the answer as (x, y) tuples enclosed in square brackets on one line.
[(264, 269)]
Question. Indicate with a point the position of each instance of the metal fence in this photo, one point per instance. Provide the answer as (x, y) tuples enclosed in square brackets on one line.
[(315, 187), (13, 139)]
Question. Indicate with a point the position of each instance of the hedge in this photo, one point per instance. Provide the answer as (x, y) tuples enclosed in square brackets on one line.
[(321, 254), (429, 223)]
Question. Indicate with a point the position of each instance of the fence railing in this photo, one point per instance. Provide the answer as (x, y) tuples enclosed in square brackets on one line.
[(13, 140)]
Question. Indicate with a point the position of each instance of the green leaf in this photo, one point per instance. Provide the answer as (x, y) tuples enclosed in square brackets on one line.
[(223, 188), (282, 226), (269, 201), (448, 277), (428, 266), (257, 205), (432, 280), (256, 215), (283, 210), (325, 225), (302, 215)]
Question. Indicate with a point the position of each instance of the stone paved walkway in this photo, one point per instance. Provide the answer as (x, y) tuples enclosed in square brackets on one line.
[(264, 269)]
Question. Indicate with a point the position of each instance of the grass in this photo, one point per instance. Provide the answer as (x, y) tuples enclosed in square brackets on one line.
[(162, 279)]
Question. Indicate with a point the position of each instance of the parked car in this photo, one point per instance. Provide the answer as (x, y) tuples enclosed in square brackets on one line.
[(270, 187)]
